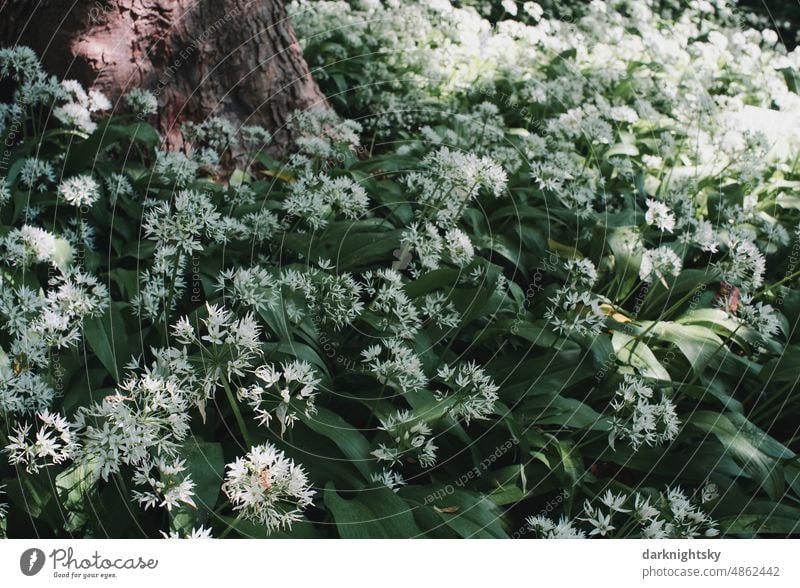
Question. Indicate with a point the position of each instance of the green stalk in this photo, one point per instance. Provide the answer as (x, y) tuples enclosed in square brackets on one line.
[(237, 414)]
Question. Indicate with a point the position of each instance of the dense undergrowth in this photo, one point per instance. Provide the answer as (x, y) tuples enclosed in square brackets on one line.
[(538, 277)]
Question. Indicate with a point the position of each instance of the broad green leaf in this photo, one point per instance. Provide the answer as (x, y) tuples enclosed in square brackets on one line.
[(748, 445), (206, 466), (374, 513)]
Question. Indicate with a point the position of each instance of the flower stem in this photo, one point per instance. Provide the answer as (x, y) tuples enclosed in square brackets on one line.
[(237, 413)]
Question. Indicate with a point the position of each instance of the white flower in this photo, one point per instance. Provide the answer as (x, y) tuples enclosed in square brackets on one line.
[(401, 367), (76, 116), (196, 533), (660, 262), (409, 437), (601, 524), (638, 418), (34, 245), (575, 312), (79, 190), (658, 214), (37, 174), (176, 166), (459, 247), (533, 10), (759, 316), (53, 443), (472, 392), (253, 287), (5, 192), (510, 6), (437, 308), (545, 528), (284, 393), (392, 480), (119, 185), (267, 488), (98, 101), (142, 102), (745, 265), (614, 502), (581, 272)]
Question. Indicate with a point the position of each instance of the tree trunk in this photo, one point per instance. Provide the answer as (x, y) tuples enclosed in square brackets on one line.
[(238, 59)]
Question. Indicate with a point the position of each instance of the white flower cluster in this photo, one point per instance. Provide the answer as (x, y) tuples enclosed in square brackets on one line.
[(3, 514), (745, 264), (398, 315), (79, 190), (442, 312), (229, 346), (146, 420), (762, 317), (267, 488), (166, 490), (37, 323), (284, 393), (213, 137), (638, 418), (336, 299), (176, 166), (395, 364), (320, 134), (409, 440), (472, 393), (77, 112), (142, 102), (54, 443), (319, 199), (671, 516), (575, 312), (37, 174), (28, 245), (254, 287), (194, 533), (659, 215), (177, 228), (659, 263), (392, 480)]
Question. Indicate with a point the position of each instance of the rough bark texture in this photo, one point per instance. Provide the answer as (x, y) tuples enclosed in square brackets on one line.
[(233, 58)]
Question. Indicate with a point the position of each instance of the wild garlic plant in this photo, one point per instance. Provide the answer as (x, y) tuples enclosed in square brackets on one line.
[(553, 268)]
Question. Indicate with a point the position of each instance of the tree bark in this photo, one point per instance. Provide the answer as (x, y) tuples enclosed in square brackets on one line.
[(237, 59)]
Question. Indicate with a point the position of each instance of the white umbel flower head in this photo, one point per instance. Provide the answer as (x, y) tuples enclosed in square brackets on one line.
[(267, 488), (659, 263), (459, 247), (659, 215), (53, 443), (142, 102), (472, 392), (283, 392), (639, 418), (80, 190)]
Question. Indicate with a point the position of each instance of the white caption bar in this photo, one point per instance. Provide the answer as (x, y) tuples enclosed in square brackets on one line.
[(391, 564)]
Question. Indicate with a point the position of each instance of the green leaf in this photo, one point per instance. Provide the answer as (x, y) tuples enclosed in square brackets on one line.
[(375, 513), (106, 335), (751, 447), (697, 343), (77, 485), (205, 464), (468, 514), (637, 354), (350, 441)]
